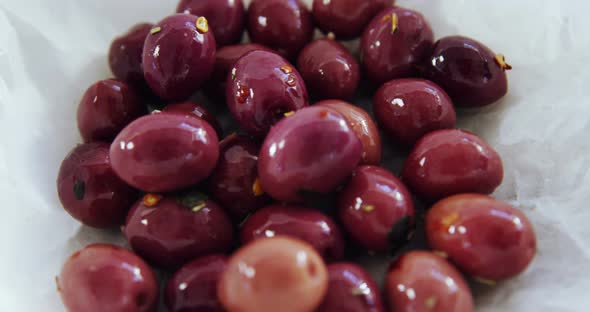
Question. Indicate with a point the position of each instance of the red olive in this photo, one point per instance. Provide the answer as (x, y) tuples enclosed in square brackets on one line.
[(171, 230), (351, 289), (225, 58), (469, 71), (376, 209), (261, 88), (394, 43), (486, 238), (364, 127), (448, 162), (125, 55), (103, 278), (329, 70), (274, 274), (178, 56), (89, 189), (226, 17), (305, 224), (106, 108), (421, 281), (194, 286), (314, 150), (234, 182), (346, 19), (165, 152), (407, 109), (285, 26)]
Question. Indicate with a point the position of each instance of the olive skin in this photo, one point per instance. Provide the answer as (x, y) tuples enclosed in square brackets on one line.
[(394, 44), (104, 277), (314, 150), (484, 237), (421, 281), (467, 70), (125, 55), (329, 70), (448, 162), (178, 56), (407, 109), (285, 26), (165, 152)]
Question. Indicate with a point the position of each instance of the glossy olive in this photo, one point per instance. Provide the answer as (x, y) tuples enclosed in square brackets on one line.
[(394, 44), (486, 238), (346, 19), (225, 58), (194, 109), (125, 55), (171, 230), (106, 108), (351, 289), (226, 17), (407, 109), (193, 288), (329, 70), (306, 224), (364, 127), (90, 191), (165, 152), (314, 150), (104, 277), (421, 281), (376, 209), (285, 26), (448, 162), (261, 88), (469, 71), (178, 56), (274, 274), (233, 183)]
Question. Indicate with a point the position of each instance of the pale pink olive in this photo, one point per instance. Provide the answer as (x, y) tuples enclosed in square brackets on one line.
[(274, 274), (421, 281)]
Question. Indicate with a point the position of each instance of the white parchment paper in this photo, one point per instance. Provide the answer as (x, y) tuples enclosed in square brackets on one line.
[(50, 51)]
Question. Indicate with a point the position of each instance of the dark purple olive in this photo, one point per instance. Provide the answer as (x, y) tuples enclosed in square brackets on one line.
[(351, 289), (421, 281), (329, 70), (448, 162), (106, 108), (394, 44), (125, 55), (346, 19), (407, 109), (484, 237), (90, 191), (178, 56), (470, 72), (165, 152), (234, 182), (194, 109), (285, 26), (225, 58), (194, 287), (314, 150), (104, 277), (364, 127), (226, 17), (376, 209), (308, 225), (169, 231), (261, 88)]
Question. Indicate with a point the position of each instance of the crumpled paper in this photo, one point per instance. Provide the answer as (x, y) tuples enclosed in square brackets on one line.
[(50, 51)]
